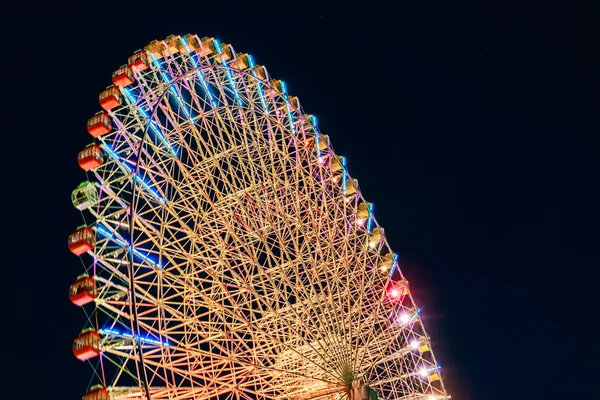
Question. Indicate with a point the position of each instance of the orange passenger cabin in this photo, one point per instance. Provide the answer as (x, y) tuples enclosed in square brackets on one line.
[(82, 240), (173, 43), (227, 52), (97, 392), (87, 345), (138, 60), (83, 290), (123, 76), (91, 157), (110, 98), (208, 46), (100, 124), (192, 42), (156, 48), (242, 61)]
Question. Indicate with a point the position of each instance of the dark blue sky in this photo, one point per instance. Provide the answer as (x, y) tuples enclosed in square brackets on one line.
[(473, 130)]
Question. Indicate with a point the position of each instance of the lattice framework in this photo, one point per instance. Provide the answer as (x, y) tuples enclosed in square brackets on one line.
[(234, 255)]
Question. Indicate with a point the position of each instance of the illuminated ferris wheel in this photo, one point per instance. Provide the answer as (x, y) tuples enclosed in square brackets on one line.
[(229, 253)]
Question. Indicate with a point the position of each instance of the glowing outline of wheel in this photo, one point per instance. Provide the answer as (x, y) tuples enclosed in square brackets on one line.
[(185, 103)]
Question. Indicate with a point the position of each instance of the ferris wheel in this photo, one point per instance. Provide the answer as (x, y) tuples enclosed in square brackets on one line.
[(228, 254)]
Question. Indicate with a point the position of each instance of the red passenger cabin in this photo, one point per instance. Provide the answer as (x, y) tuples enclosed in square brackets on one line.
[(87, 345), (100, 124), (123, 76), (82, 240), (83, 290), (110, 98), (97, 392), (139, 60), (91, 157)]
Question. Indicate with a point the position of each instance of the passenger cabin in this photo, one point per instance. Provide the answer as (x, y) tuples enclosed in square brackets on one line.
[(82, 240), (435, 376), (294, 103), (362, 210), (110, 98), (100, 124), (423, 345), (351, 186), (387, 262), (192, 42), (261, 72), (91, 157), (375, 237), (337, 164), (97, 392), (85, 196), (138, 60), (226, 53), (323, 142), (208, 46), (156, 48), (87, 345), (123, 76), (278, 86), (309, 122), (397, 290), (83, 290), (173, 43), (240, 62)]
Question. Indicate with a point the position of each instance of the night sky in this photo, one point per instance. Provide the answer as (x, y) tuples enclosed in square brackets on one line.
[(472, 129)]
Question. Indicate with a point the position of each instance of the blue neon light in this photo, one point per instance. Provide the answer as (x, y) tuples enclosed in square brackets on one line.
[(204, 84), (105, 233), (148, 188), (129, 335), (287, 107), (171, 89), (258, 84), (415, 315), (394, 264), (370, 223), (135, 176), (317, 140), (153, 125), (237, 97), (145, 258)]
